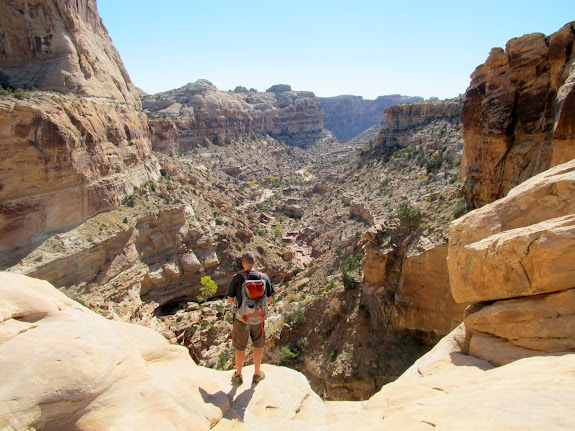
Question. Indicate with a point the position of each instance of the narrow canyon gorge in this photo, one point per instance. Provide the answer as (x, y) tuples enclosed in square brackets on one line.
[(421, 250)]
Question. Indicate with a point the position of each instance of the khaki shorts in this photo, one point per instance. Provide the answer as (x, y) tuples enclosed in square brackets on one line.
[(240, 335)]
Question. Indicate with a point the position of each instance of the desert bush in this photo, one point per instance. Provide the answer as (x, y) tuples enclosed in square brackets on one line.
[(223, 359), (352, 263), (348, 281), (285, 355), (459, 209), (296, 318)]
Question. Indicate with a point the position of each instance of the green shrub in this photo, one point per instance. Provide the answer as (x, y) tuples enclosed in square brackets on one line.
[(277, 230), (286, 355), (296, 318), (459, 208), (352, 263), (330, 286), (408, 212), (163, 172), (348, 281), (433, 164), (223, 359)]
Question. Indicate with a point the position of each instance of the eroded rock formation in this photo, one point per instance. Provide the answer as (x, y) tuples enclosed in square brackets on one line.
[(64, 158), (402, 122), (89, 373), (62, 45), (348, 116), (518, 114), (203, 115), (514, 257)]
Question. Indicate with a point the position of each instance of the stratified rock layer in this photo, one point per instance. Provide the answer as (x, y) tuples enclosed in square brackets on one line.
[(402, 123), (519, 112), (519, 252), (61, 45), (64, 158), (203, 114)]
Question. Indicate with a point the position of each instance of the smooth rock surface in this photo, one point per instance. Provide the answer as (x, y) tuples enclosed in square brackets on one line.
[(523, 241)]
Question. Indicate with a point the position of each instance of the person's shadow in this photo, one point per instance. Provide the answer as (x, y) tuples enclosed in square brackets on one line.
[(238, 405)]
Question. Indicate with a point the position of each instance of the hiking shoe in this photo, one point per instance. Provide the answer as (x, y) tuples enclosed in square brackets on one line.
[(237, 379), (258, 377)]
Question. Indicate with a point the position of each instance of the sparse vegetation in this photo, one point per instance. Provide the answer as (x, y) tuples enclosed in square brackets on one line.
[(296, 318), (224, 358), (285, 355), (459, 209), (348, 281), (409, 213)]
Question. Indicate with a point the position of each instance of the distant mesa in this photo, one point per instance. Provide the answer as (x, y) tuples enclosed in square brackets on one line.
[(279, 88)]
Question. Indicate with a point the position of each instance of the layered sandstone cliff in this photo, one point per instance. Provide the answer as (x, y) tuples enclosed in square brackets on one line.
[(514, 259), (402, 122), (61, 45), (64, 157), (348, 116), (202, 114), (518, 114)]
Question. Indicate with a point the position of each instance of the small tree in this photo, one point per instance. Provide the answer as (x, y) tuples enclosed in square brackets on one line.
[(209, 288), (408, 214), (348, 281)]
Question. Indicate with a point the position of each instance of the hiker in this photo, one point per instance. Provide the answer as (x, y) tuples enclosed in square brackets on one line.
[(249, 315)]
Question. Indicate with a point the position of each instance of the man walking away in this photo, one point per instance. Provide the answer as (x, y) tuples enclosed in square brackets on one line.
[(250, 323)]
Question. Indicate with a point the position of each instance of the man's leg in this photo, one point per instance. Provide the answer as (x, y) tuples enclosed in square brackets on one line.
[(258, 353), (240, 358), (240, 337)]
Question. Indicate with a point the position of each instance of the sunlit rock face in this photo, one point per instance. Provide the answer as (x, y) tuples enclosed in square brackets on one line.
[(203, 114), (519, 113), (514, 258), (62, 45), (64, 157)]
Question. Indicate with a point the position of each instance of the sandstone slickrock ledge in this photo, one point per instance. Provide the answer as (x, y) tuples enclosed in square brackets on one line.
[(64, 367), (514, 257), (518, 114)]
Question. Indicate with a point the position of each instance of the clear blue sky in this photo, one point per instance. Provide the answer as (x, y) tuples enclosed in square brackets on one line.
[(368, 48)]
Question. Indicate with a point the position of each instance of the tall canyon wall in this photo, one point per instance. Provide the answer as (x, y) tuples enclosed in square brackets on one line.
[(512, 257), (518, 118), (78, 146)]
